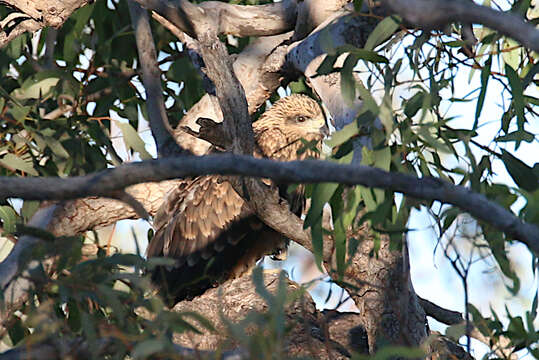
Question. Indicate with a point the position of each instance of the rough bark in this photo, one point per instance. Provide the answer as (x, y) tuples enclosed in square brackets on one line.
[(308, 335), (30, 16)]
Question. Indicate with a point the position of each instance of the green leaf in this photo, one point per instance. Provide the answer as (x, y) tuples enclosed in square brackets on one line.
[(455, 44), (455, 332), (382, 32), (14, 162), (144, 349), (530, 212), (71, 47), (497, 241), (154, 262), (530, 74), (392, 352), (414, 104), (479, 321), (74, 318), (533, 311), (348, 82), (326, 67), (485, 75), (81, 17), (516, 90), (501, 194), (341, 136), (199, 318), (368, 101), (522, 174), (511, 57), (358, 4), (318, 243), (132, 140), (20, 113), (362, 54), (9, 218), (260, 287), (183, 70), (382, 160), (339, 234), (56, 147), (29, 207), (518, 136), (321, 195), (35, 90)]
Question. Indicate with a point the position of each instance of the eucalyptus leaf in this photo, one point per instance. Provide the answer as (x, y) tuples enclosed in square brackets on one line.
[(382, 32), (15, 162), (8, 217), (132, 140)]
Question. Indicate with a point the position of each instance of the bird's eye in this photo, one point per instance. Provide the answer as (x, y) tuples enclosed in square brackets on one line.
[(301, 118)]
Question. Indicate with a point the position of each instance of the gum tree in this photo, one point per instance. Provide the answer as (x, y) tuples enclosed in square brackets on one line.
[(386, 73)]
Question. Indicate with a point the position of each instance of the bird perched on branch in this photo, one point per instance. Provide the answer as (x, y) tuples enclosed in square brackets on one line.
[(209, 229)]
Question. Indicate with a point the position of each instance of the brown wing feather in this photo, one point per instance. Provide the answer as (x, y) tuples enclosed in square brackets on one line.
[(271, 142), (195, 214), (201, 220)]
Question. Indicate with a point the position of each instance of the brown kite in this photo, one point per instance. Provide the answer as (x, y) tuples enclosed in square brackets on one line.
[(209, 229)]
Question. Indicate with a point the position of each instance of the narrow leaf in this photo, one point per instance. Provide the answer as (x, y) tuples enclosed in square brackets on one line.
[(517, 90), (132, 139), (522, 174), (485, 75), (14, 162), (382, 32)]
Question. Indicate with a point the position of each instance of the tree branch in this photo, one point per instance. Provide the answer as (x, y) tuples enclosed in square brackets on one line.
[(151, 78), (237, 121), (106, 182), (436, 14), (76, 217), (237, 20), (34, 15), (450, 317)]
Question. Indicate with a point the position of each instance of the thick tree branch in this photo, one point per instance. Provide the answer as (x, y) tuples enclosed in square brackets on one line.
[(238, 20), (151, 78), (436, 14), (77, 216), (105, 182), (230, 93), (33, 15)]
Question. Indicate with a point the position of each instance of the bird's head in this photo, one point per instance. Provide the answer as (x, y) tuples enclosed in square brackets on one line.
[(298, 116)]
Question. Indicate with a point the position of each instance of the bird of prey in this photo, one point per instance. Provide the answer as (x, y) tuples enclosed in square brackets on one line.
[(208, 228)]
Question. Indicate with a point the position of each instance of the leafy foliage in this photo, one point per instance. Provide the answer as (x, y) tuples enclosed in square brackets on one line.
[(407, 86), (101, 299), (106, 304)]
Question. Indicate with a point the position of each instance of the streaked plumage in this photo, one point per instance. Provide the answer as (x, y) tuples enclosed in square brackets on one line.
[(208, 228)]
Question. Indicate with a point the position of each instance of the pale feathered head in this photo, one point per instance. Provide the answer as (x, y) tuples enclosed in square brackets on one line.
[(280, 129), (298, 113)]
